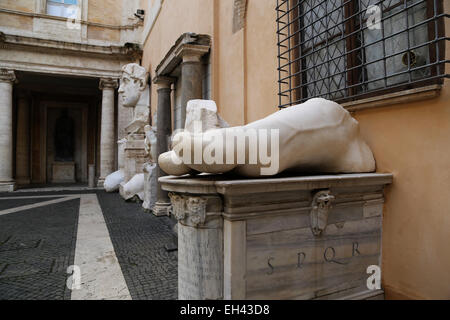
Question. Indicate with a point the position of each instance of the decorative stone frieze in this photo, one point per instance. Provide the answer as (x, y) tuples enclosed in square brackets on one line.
[(320, 208), (108, 83), (7, 76), (189, 210)]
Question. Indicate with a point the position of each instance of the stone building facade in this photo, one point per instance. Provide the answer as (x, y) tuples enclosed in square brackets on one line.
[(63, 57)]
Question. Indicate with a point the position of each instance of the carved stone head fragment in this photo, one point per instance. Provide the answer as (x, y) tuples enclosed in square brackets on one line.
[(132, 83)]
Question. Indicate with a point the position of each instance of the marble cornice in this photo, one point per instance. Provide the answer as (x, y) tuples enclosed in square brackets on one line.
[(187, 43), (46, 45)]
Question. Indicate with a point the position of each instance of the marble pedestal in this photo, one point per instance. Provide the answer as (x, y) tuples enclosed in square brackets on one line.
[(279, 238), (63, 172), (150, 186), (135, 156), (7, 186)]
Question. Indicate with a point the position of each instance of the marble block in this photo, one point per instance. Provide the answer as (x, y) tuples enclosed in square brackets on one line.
[(311, 237), (150, 186), (135, 157), (63, 172)]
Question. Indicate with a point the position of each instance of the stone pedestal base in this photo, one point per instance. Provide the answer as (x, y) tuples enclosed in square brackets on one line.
[(63, 172), (280, 238), (7, 186), (91, 176), (100, 182), (150, 186), (135, 157), (161, 209)]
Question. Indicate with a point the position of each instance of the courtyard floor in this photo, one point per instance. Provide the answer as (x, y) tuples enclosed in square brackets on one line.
[(117, 249)]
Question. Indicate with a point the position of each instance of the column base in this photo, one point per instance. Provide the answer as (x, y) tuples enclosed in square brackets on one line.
[(100, 182), (7, 186), (161, 209)]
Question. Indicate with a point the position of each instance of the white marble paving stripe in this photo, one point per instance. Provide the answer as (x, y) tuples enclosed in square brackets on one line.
[(57, 189), (38, 197), (37, 205), (101, 275)]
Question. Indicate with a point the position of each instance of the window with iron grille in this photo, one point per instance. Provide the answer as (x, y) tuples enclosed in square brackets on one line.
[(345, 50)]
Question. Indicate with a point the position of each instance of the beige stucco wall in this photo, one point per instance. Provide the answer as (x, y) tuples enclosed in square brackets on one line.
[(19, 5), (105, 11), (246, 74), (174, 19), (411, 141), (16, 21)]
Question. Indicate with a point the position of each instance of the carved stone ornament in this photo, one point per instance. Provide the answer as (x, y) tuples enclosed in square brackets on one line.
[(178, 206), (7, 76), (196, 207), (108, 83), (190, 209), (320, 208)]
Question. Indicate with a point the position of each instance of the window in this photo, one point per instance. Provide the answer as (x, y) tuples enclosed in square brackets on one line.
[(63, 8), (344, 50)]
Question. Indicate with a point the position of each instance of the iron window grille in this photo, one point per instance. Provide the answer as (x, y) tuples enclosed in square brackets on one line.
[(345, 50)]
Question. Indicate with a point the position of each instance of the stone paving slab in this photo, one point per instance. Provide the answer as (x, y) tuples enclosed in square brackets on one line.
[(139, 240), (38, 245), (38, 248)]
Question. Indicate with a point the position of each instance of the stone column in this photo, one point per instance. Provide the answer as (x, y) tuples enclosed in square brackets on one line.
[(200, 246), (7, 79), (23, 140), (107, 142), (191, 79), (163, 133)]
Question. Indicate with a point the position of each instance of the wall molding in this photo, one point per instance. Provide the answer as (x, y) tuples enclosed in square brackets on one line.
[(404, 96)]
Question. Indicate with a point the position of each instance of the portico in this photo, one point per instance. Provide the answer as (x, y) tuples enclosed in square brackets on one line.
[(46, 83)]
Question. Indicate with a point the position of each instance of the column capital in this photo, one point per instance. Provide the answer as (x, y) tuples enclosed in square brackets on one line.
[(108, 83), (164, 82), (7, 75), (192, 52)]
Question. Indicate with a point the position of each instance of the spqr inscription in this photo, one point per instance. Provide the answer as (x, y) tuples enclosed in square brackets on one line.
[(329, 256)]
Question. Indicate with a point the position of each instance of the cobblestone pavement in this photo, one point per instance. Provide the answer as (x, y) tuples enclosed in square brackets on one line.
[(38, 244)]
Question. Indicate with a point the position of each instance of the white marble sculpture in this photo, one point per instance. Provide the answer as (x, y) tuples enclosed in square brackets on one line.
[(201, 116), (134, 94), (150, 167), (134, 187), (318, 136)]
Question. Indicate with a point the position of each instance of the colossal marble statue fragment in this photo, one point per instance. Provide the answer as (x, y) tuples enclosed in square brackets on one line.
[(134, 94), (150, 172), (201, 116), (318, 136)]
